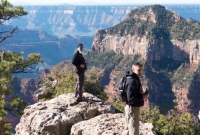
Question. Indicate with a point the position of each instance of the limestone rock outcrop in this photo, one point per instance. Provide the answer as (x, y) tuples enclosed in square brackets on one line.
[(107, 124), (56, 116), (64, 116), (149, 49)]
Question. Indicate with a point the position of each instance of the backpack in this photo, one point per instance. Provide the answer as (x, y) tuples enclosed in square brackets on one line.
[(121, 92)]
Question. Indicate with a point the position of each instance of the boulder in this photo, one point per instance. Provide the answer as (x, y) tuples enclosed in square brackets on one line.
[(56, 116), (107, 124)]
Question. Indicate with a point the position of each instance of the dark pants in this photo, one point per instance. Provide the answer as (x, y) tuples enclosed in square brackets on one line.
[(79, 85)]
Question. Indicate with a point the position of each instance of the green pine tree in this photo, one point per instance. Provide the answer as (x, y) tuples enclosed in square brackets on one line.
[(11, 63)]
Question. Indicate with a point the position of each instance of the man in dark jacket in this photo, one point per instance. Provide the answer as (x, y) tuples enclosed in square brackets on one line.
[(80, 66), (135, 99)]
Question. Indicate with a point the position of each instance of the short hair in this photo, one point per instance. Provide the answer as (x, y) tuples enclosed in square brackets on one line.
[(137, 64), (80, 45)]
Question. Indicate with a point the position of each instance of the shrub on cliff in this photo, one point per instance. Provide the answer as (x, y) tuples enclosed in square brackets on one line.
[(174, 123), (118, 105), (66, 79)]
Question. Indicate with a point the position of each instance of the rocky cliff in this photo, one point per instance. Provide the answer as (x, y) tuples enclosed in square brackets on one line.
[(64, 116), (149, 49)]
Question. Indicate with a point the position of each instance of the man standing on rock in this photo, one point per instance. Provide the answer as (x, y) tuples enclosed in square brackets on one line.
[(135, 99), (80, 66)]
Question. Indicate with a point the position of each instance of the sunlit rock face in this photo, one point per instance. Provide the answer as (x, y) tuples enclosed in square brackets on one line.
[(108, 124), (149, 49), (64, 116), (56, 116)]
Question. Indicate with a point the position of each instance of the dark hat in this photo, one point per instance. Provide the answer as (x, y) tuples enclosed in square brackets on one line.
[(138, 64), (80, 44)]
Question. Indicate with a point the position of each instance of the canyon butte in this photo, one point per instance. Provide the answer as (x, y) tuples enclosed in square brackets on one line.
[(167, 43)]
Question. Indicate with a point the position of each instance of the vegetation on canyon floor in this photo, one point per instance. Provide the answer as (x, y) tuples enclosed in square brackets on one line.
[(172, 123)]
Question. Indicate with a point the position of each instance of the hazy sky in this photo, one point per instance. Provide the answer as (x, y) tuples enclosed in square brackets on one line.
[(107, 1)]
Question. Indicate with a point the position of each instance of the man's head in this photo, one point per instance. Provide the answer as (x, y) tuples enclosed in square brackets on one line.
[(137, 68), (80, 46)]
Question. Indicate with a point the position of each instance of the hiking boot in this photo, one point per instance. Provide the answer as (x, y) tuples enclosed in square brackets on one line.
[(79, 99)]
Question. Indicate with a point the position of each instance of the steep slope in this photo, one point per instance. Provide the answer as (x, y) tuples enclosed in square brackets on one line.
[(165, 42)]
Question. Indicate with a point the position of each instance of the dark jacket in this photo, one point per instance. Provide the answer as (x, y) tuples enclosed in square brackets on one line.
[(133, 89), (77, 60)]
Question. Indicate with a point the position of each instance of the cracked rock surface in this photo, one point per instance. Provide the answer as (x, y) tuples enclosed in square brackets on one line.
[(108, 124), (56, 116)]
